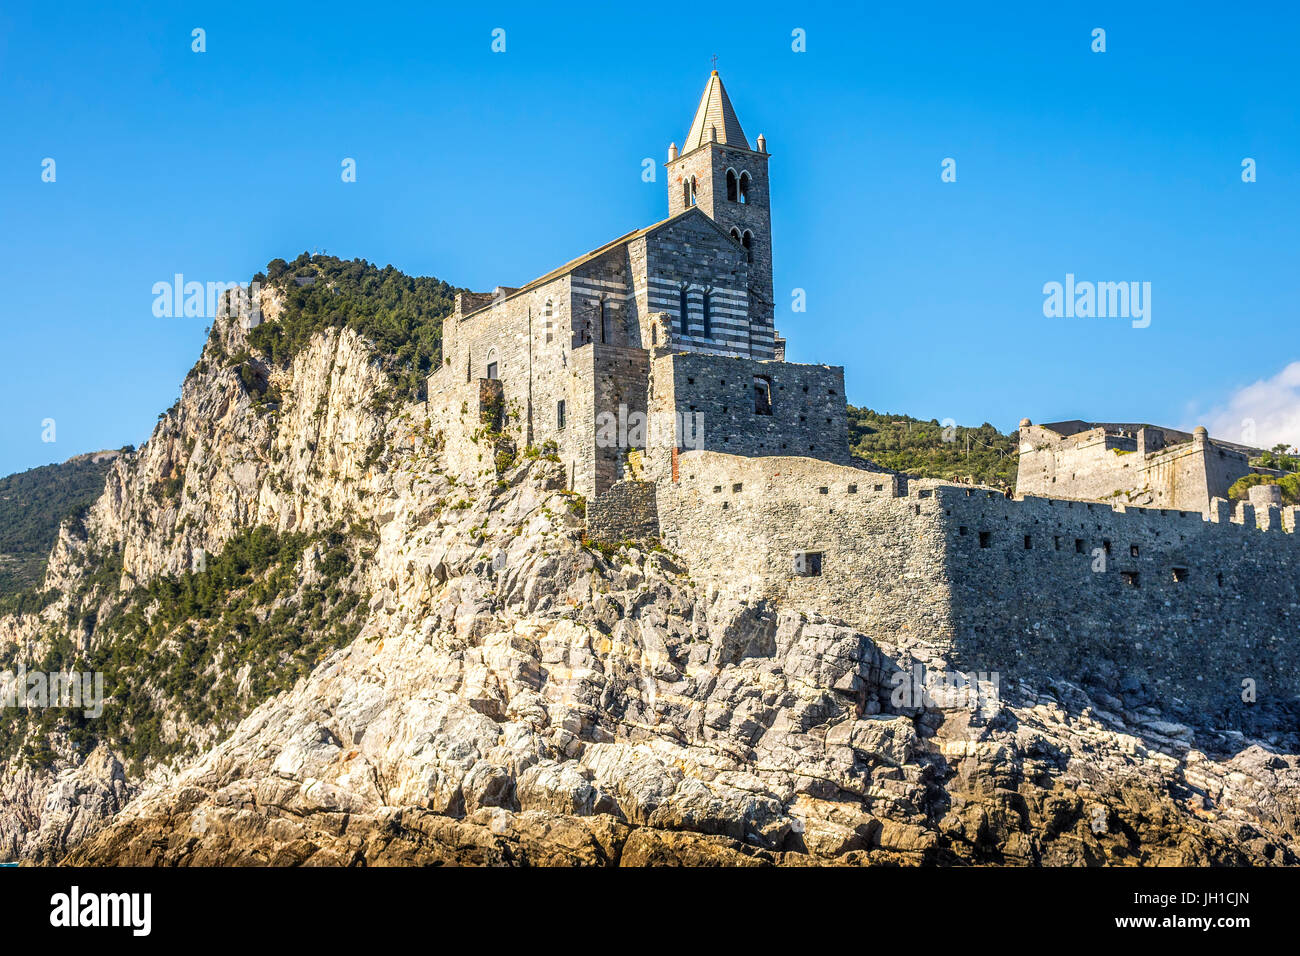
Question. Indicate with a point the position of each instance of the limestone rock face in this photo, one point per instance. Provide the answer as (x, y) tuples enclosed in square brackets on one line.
[(295, 468), (219, 462), (517, 695), (71, 806)]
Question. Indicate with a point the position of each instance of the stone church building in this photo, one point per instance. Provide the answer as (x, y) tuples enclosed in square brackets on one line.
[(672, 322)]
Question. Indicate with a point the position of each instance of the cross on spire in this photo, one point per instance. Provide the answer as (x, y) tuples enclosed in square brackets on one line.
[(714, 58)]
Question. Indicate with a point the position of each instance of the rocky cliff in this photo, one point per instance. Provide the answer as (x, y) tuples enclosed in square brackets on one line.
[(325, 648), (517, 696)]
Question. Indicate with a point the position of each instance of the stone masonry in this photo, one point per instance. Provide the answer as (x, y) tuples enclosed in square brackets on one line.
[(1129, 464)]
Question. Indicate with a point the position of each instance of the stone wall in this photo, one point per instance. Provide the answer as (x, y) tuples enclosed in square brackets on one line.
[(608, 385), (716, 399), (627, 511), (1184, 605), (741, 524), (1188, 608), (457, 412), (1096, 465)]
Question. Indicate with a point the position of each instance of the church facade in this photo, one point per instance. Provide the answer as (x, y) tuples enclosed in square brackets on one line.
[(667, 330)]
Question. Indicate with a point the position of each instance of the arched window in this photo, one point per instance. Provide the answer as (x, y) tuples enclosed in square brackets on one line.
[(708, 317), (690, 191), (744, 187), (604, 321), (735, 233), (683, 310), (747, 240), (733, 191), (493, 369), (547, 321), (762, 395)]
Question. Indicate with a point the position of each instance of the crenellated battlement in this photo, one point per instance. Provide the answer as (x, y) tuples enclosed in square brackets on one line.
[(1265, 517)]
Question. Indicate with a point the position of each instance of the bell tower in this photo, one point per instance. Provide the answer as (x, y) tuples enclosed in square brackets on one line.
[(717, 171)]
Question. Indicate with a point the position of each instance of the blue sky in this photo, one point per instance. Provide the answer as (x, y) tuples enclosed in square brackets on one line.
[(490, 168)]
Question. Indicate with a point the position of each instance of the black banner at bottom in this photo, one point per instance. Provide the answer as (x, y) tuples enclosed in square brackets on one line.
[(647, 907)]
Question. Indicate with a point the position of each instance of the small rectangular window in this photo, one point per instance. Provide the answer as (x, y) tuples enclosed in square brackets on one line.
[(823, 490), (962, 531), (1130, 578), (985, 538), (492, 370), (735, 489), (1078, 546), (879, 488), (1029, 542), (1133, 550), (853, 489), (1056, 542), (1105, 545), (1180, 575), (559, 414), (807, 564)]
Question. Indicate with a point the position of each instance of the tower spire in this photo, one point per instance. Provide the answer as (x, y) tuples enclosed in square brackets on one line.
[(715, 110)]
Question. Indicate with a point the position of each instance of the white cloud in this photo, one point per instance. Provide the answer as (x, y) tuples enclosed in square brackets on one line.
[(1261, 414)]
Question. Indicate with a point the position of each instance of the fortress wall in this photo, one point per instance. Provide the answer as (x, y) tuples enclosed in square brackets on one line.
[(1094, 466), (1187, 607), (809, 416), (740, 522), (1223, 466), (1089, 466)]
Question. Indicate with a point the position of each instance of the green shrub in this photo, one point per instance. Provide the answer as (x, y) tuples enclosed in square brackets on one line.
[(400, 314), (1290, 485), (928, 449)]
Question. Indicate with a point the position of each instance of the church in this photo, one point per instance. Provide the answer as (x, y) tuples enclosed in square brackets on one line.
[(674, 320)]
